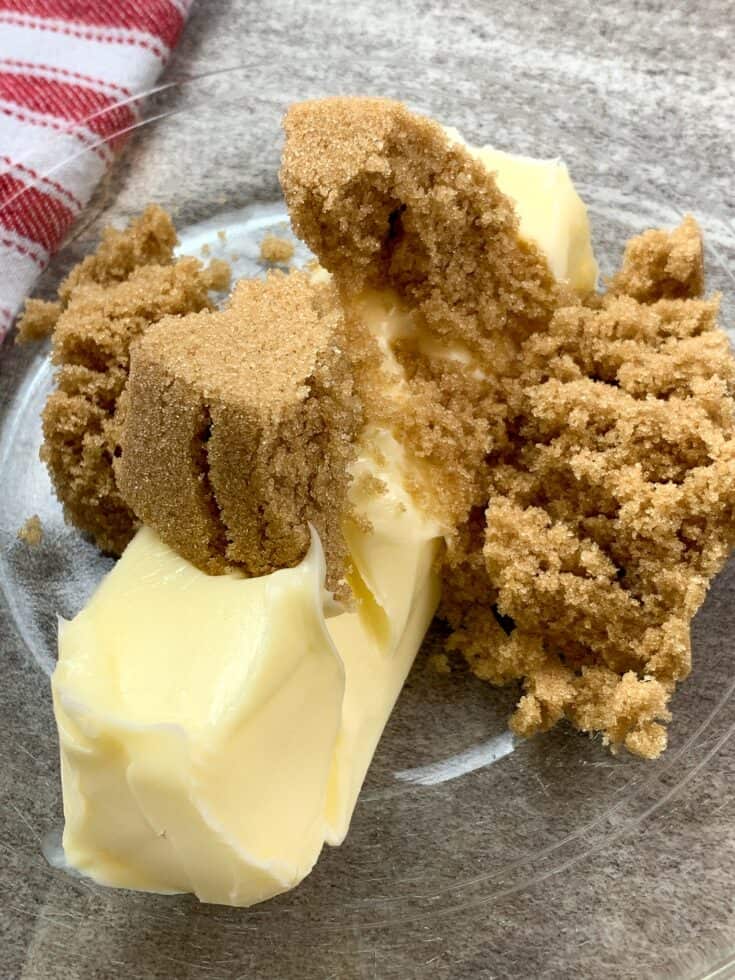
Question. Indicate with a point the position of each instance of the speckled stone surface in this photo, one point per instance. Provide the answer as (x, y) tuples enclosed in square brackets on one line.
[(647, 92)]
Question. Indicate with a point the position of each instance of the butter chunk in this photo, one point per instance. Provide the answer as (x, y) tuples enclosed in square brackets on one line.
[(550, 212), (239, 425), (197, 720), (374, 671)]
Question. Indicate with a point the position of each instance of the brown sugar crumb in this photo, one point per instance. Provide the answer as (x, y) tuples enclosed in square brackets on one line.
[(106, 302), (38, 320), (385, 200), (609, 511), (276, 249), (239, 427), (439, 663), (217, 275), (32, 531), (663, 265)]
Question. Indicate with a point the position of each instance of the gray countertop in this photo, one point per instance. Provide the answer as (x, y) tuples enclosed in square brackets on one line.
[(657, 901)]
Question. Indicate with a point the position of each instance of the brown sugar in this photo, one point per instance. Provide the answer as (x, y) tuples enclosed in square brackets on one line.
[(609, 511), (32, 531), (148, 240), (107, 301), (38, 320), (247, 468), (586, 450), (275, 249), (663, 265), (386, 200), (440, 663), (239, 426)]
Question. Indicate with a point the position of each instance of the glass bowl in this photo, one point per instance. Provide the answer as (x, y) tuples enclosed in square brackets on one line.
[(469, 850)]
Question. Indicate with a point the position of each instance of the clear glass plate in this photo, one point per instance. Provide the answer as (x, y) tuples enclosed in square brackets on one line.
[(457, 820)]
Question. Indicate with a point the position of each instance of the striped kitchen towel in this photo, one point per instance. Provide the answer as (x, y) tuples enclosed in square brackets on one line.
[(69, 74)]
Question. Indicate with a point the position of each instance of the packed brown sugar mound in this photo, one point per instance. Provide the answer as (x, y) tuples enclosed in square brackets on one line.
[(383, 197), (387, 201), (239, 426), (610, 510), (106, 302)]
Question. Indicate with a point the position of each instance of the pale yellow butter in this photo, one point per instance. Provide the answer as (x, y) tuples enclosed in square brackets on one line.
[(397, 587), (216, 731), (197, 718), (550, 212)]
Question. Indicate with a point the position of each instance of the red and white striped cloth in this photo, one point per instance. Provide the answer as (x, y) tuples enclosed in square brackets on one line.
[(69, 72)]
